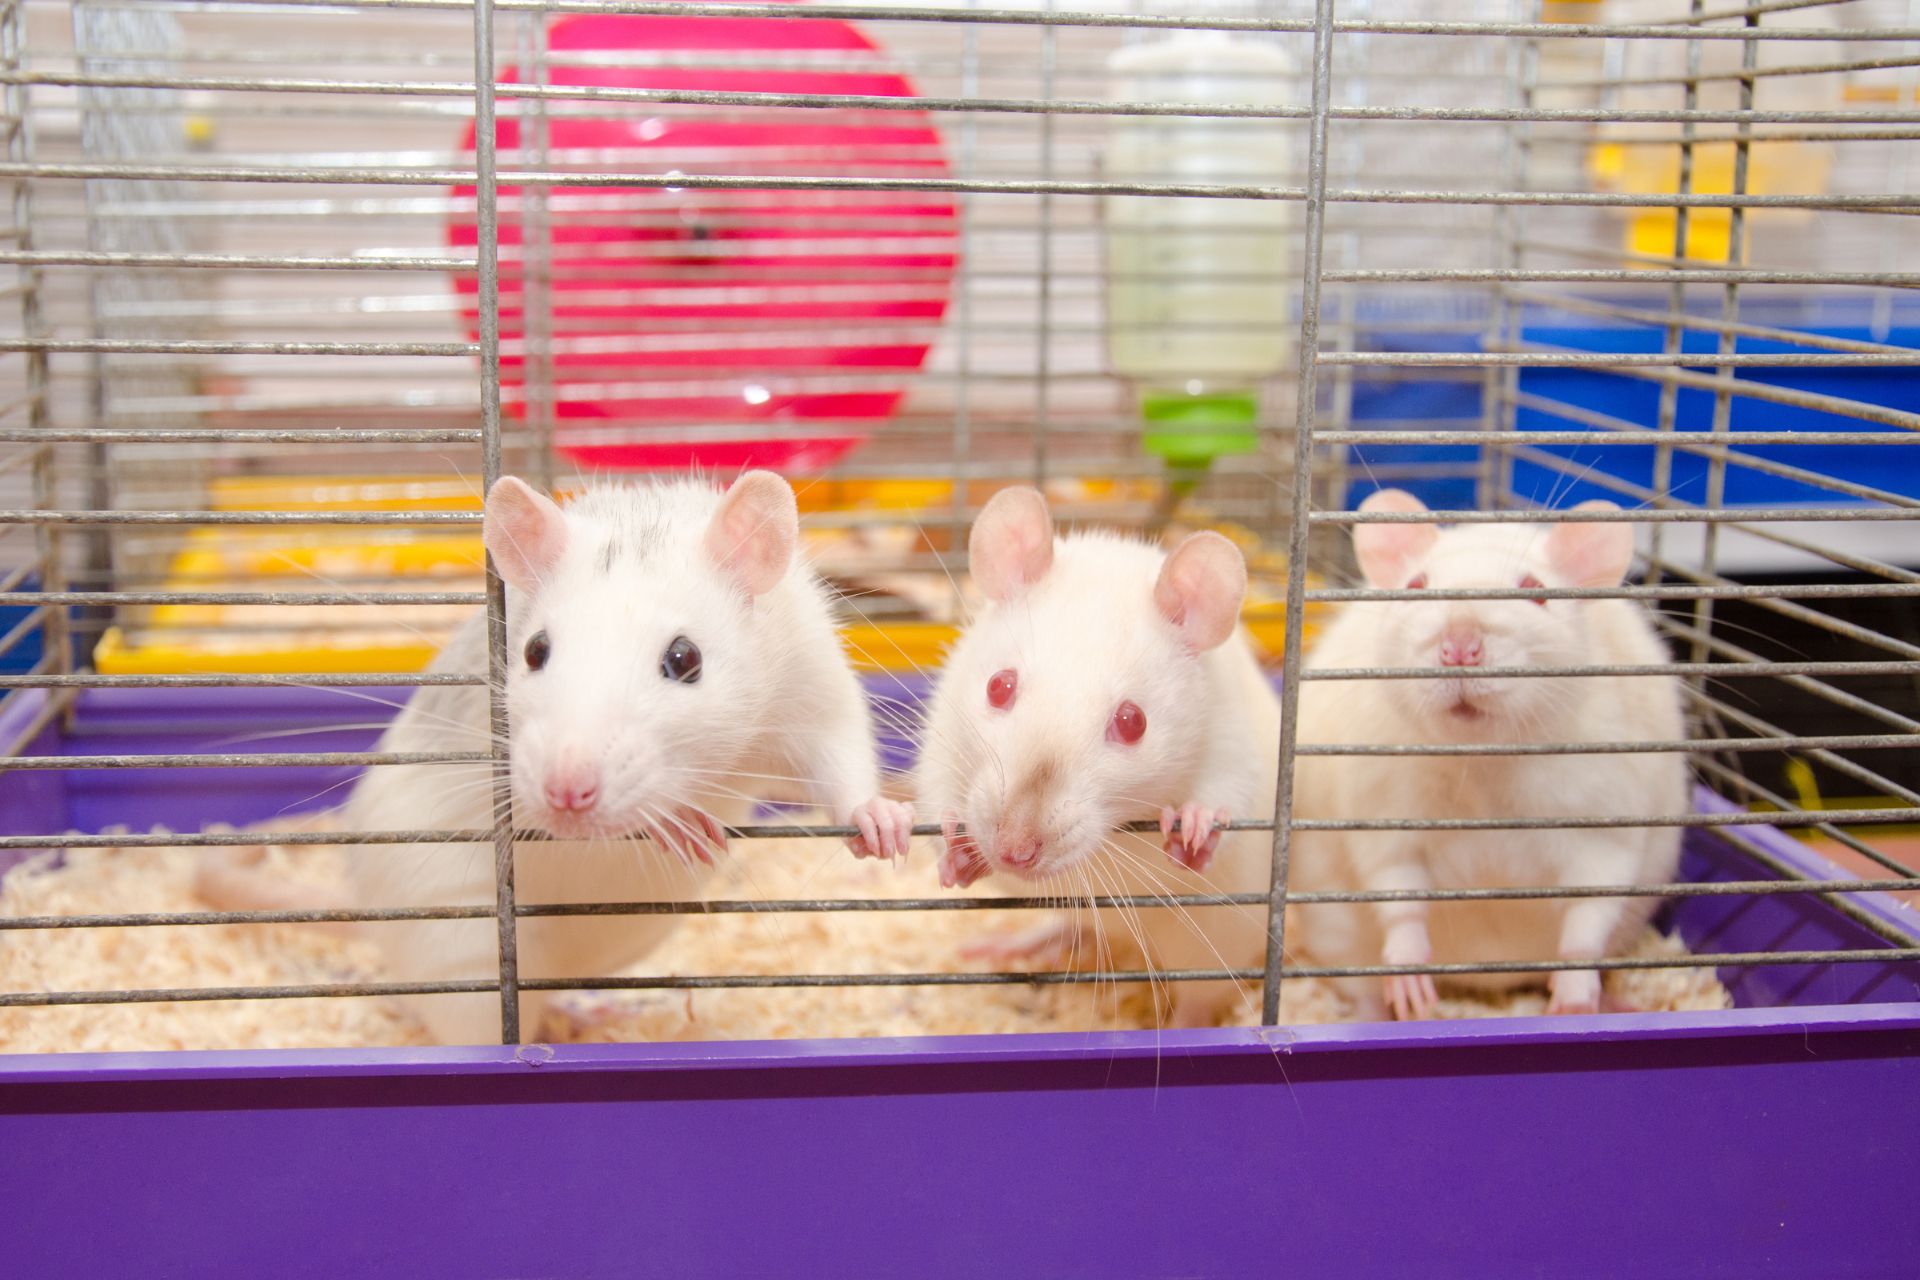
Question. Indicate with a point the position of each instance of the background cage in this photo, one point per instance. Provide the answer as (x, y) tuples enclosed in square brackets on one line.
[(263, 359)]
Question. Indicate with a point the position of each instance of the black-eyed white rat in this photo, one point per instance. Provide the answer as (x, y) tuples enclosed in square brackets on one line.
[(1105, 682), (670, 664), (1457, 640)]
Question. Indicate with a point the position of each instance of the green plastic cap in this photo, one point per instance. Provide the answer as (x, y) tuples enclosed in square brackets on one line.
[(1193, 430)]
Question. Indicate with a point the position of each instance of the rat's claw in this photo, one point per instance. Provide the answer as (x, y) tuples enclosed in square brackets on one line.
[(1196, 841), (698, 834), (962, 863)]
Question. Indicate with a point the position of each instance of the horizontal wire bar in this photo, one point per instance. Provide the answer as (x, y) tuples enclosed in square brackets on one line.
[(372, 599), (1785, 742), (1719, 591), (236, 435), (1790, 818), (1816, 591), (18, 516), (344, 175), (309, 759), (1795, 515), (226, 261), (1086, 18), (198, 346), (1603, 435), (1617, 360), (1722, 960), (1688, 515), (1716, 670), (1621, 275), (309, 680), (832, 906), (170, 995), (916, 103), (797, 831)]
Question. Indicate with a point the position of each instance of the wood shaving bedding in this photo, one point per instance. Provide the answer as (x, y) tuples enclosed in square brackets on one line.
[(122, 880)]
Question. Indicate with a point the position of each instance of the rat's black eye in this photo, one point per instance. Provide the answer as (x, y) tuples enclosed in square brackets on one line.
[(539, 648), (681, 661)]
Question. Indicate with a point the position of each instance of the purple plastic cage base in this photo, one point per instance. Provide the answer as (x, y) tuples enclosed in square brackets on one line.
[(1774, 1139)]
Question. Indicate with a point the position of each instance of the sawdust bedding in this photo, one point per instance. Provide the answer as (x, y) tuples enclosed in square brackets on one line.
[(161, 880)]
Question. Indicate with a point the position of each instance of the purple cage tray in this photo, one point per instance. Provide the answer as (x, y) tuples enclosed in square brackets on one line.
[(1780, 1139)]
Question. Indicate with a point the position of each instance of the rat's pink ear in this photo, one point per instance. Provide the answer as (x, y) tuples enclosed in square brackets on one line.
[(1011, 547), (753, 534), (523, 531), (1388, 551), (1200, 589), (1591, 555)]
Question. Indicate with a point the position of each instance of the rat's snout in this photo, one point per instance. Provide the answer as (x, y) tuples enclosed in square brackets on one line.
[(1017, 848), (572, 786), (1463, 646)]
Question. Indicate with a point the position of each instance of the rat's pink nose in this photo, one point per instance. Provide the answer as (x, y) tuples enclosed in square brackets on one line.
[(1018, 850), (572, 788), (1462, 649)]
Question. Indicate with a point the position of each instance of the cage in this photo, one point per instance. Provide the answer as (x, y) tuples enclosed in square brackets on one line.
[(291, 281)]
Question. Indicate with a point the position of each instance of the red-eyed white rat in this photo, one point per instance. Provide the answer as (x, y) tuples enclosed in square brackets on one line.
[(670, 664), (1458, 640), (1107, 681)]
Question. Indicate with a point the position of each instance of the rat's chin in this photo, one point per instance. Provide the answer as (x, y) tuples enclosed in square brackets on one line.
[(579, 826), (1470, 704)]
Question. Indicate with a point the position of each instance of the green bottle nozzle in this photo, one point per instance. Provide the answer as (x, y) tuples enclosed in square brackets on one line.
[(1190, 431)]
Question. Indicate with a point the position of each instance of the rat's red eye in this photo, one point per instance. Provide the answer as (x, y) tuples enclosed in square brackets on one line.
[(1129, 723), (1417, 583), (1001, 688), (1528, 582)]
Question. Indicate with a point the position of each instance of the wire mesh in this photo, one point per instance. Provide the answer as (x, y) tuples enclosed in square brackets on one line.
[(247, 247)]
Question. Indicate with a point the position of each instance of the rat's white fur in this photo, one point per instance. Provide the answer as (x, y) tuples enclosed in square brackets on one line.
[(1083, 637), (1523, 710), (775, 699)]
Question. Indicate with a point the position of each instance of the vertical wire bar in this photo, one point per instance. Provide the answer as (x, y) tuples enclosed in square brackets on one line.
[(1500, 387), (487, 209), (1729, 315), (1297, 534), (56, 643), (1043, 351), (1676, 299), (100, 496), (536, 258), (963, 312)]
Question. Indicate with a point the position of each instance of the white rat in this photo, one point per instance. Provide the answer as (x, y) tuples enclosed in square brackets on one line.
[(1107, 682), (1461, 638), (671, 662)]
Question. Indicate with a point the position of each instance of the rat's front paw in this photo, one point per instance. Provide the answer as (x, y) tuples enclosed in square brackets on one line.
[(962, 863), (1191, 839), (886, 829), (1409, 995), (694, 835), (1574, 991)]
